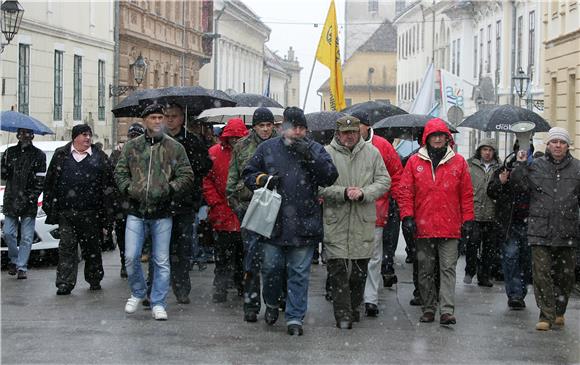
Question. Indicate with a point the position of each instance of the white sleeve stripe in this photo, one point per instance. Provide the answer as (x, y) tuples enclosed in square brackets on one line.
[(41, 174)]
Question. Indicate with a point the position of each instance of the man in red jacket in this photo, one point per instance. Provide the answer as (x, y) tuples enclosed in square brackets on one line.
[(436, 200), (228, 249), (395, 169)]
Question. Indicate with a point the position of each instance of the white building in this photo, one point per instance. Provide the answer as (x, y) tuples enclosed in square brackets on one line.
[(483, 43), (282, 77), (59, 66), (238, 57)]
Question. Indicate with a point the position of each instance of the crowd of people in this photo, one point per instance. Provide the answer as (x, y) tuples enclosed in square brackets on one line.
[(518, 221)]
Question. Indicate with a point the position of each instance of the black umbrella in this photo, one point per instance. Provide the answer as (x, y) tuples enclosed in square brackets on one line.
[(376, 110), (500, 119), (194, 99), (405, 126), (322, 125), (255, 100), (130, 106)]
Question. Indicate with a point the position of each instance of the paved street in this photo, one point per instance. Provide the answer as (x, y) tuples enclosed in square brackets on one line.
[(91, 327)]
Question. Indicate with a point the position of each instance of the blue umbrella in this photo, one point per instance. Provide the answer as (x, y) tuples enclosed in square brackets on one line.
[(11, 121)]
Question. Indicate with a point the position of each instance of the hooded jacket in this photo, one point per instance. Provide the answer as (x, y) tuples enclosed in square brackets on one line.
[(153, 173), (484, 206), (394, 167), (221, 216), (23, 169), (348, 225), (440, 199)]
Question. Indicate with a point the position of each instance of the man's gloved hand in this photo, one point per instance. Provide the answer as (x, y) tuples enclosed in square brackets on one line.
[(467, 229), (300, 146), (262, 180), (409, 227)]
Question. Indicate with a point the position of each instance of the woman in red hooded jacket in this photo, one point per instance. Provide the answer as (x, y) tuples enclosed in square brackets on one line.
[(225, 223), (436, 200)]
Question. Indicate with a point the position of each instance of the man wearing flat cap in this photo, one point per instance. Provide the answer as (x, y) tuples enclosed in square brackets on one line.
[(553, 182), (349, 213), (78, 193), (153, 172)]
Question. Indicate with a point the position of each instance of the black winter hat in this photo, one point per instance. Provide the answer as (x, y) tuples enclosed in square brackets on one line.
[(362, 116), (80, 129), (262, 115), (136, 129), (152, 109), (295, 116)]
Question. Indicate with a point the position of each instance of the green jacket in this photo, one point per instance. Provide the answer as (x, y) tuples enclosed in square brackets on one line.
[(349, 227), (484, 206), (151, 172), (237, 193)]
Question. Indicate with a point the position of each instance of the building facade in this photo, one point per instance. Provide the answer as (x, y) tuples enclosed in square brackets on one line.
[(282, 77), (58, 67), (172, 38), (561, 66)]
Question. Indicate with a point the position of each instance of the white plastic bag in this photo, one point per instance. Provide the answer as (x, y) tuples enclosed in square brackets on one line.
[(262, 211)]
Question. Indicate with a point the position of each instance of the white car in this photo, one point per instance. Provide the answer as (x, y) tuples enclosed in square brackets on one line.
[(46, 236)]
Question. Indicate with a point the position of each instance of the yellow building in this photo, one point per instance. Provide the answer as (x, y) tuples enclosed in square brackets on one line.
[(371, 72), (562, 67)]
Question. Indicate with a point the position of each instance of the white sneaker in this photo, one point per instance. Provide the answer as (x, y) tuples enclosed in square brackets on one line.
[(159, 313), (132, 304)]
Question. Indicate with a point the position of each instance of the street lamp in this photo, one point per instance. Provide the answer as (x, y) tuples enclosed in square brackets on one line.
[(11, 13), (521, 82), (139, 68)]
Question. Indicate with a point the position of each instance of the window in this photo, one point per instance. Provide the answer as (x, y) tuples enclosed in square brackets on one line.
[(532, 39), (373, 6), (498, 45), (474, 56), (77, 87), (413, 41), (399, 7), (58, 76), (101, 97), (23, 78), (519, 40), (453, 45), (488, 58), (481, 51), (348, 102), (458, 55)]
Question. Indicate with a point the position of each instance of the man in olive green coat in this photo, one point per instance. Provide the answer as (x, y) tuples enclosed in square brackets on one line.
[(349, 217), (484, 239)]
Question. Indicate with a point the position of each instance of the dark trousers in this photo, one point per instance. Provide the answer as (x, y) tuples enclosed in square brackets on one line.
[(346, 279), (120, 237), (228, 260), (84, 229), (252, 267), (481, 251), (553, 270), (412, 251), (180, 253), (390, 238)]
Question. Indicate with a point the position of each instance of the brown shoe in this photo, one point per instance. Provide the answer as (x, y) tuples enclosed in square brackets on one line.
[(559, 321), (427, 317), (447, 319), (543, 326)]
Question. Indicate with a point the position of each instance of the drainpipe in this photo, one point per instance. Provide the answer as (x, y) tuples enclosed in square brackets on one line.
[(513, 58), (216, 46), (183, 44), (116, 63)]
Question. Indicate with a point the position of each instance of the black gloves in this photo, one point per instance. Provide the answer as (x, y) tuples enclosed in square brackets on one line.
[(467, 229), (302, 149), (262, 180), (409, 227)]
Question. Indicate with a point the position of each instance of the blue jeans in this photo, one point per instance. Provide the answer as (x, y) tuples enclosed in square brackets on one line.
[(296, 262), (516, 261), (135, 232), (18, 252)]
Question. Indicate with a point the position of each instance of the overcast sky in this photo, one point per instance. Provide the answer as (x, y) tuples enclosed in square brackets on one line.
[(292, 23)]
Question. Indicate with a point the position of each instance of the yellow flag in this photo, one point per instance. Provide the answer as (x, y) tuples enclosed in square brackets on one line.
[(328, 53)]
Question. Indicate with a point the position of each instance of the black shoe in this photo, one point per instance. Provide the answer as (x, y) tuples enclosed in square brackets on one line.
[(146, 303), (447, 319), (282, 306), (271, 315), (220, 297), (63, 290), (408, 260), (22, 275), (344, 324), (183, 299), (371, 310), (355, 316), (516, 303), (251, 316), (295, 330), (12, 269), (389, 280), (485, 282), (416, 302), (328, 297), (95, 287), (123, 272), (427, 317), (240, 291)]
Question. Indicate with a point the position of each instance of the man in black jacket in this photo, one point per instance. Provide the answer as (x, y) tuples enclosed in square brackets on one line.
[(23, 169), (553, 182), (78, 193), (182, 231)]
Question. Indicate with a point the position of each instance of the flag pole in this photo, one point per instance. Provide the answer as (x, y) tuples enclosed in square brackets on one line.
[(309, 80)]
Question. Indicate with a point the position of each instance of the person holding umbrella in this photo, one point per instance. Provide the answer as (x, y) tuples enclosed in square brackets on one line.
[(437, 209), (23, 169)]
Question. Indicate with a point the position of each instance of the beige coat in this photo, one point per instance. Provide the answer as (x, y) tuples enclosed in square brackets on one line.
[(349, 226)]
